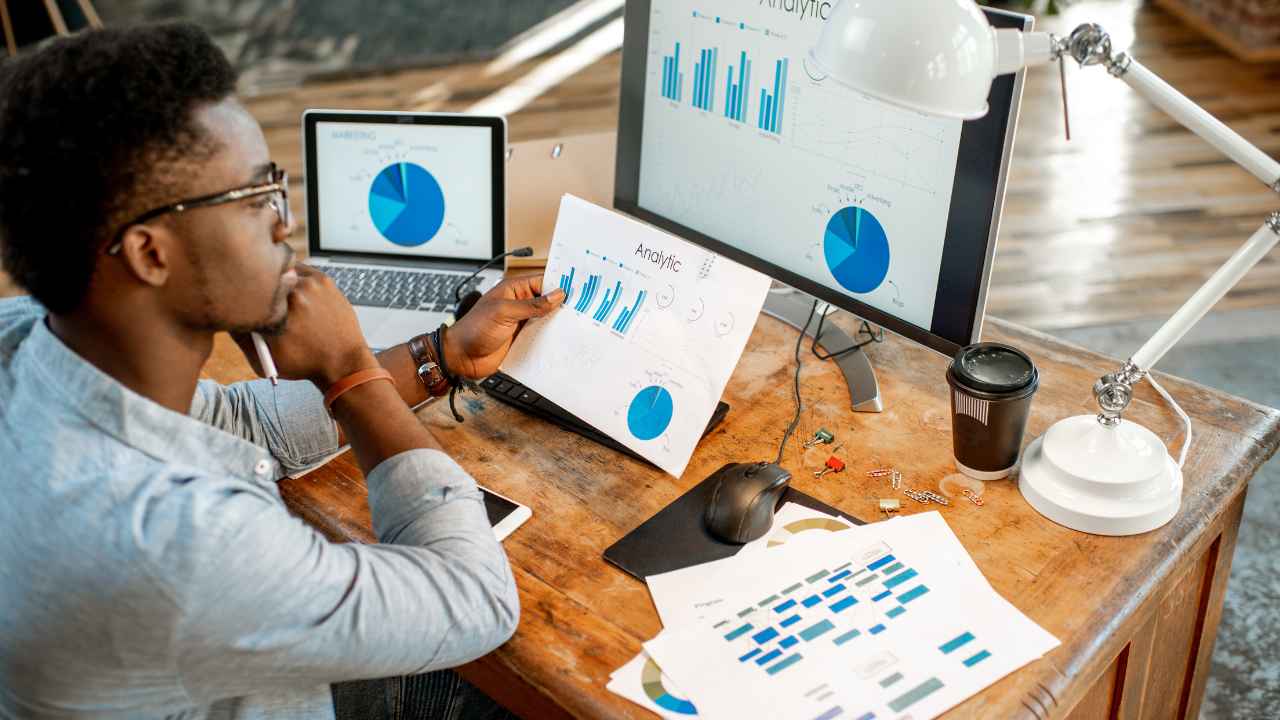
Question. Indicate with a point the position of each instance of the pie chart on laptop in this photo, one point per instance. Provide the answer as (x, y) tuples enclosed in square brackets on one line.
[(406, 204)]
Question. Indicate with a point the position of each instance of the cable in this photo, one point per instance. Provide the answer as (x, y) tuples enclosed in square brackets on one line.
[(1186, 421), (518, 252), (796, 420), (864, 329)]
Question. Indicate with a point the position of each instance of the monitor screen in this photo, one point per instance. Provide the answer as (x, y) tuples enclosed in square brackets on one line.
[(730, 137), (385, 188)]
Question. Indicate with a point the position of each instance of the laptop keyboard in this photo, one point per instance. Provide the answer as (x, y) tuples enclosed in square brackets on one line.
[(397, 289)]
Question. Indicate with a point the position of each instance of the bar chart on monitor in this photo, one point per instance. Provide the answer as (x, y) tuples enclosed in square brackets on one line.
[(736, 69), (782, 150)]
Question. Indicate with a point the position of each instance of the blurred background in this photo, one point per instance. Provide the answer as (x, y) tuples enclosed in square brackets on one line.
[(1102, 237)]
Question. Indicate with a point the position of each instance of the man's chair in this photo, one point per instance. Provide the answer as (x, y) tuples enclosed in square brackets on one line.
[(55, 18)]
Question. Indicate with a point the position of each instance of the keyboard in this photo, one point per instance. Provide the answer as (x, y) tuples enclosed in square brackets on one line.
[(508, 390), (397, 289)]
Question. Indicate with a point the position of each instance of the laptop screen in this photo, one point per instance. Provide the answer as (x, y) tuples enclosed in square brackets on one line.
[(410, 190)]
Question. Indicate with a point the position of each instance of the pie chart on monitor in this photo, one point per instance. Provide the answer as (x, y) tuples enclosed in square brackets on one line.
[(856, 249), (406, 204)]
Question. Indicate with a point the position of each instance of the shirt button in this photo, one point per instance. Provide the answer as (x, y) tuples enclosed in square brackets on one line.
[(262, 468)]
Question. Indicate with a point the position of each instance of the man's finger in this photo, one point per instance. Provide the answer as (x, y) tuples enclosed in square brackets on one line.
[(522, 286), (532, 307), (305, 270)]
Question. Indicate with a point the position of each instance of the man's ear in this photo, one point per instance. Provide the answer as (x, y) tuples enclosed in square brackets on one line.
[(147, 251)]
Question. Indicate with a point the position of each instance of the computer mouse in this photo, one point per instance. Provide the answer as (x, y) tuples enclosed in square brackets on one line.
[(744, 499)]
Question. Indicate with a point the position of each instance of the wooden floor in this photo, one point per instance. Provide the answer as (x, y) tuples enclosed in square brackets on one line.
[(1123, 222)]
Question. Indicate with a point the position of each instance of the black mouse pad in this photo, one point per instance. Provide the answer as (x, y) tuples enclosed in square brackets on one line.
[(676, 538)]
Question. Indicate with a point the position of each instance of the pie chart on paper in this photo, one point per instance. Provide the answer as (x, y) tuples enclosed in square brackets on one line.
[(856, 249), (650, 412), (406, 204), (651, 681)]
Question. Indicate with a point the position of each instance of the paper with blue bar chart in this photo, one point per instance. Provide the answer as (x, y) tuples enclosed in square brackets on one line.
[(884, 620), (651, 329)]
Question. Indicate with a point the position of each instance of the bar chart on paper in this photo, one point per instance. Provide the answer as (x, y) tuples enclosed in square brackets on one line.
[(583, 291), (876, 627), (646, 338)]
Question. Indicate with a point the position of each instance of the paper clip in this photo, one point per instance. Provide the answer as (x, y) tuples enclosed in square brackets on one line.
[(834, 464), (822, 437), (918, 496), (936, 497)]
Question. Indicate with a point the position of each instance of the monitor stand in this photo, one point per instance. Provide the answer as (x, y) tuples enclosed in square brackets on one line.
[(793, 308)]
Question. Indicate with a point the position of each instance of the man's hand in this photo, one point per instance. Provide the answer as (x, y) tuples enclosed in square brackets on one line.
[(475, 345), (321, 341)]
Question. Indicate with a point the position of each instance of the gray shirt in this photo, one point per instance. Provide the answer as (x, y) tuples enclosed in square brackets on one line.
[(148, 567)]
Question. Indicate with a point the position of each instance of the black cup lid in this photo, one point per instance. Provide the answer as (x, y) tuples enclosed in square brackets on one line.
[(993, 368)]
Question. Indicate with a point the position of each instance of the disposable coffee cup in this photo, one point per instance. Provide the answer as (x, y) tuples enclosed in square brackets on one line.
[(991, 390)]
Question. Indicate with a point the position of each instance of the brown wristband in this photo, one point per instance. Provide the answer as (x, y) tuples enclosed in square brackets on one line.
[(427, 366), (352, 381)]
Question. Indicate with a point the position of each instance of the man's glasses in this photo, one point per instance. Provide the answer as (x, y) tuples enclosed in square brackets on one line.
[(276, 186)]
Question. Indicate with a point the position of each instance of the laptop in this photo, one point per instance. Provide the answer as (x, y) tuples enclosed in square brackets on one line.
[(401, 208)]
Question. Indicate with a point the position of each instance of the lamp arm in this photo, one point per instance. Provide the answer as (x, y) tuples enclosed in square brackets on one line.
[(1090, 45), (1197, 120), (1016, 49), (1222, 280)]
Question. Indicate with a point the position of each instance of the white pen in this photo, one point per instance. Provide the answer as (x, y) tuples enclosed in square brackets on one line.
[(264, 359)]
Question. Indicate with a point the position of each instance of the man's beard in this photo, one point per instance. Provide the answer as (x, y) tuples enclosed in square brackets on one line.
[(274, 328), (269, 326)]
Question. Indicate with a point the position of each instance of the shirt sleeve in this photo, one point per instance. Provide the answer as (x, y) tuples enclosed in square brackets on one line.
[(288, 419), (267, 602)]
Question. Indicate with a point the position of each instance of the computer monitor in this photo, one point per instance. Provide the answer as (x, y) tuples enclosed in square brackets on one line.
[(729, 138)]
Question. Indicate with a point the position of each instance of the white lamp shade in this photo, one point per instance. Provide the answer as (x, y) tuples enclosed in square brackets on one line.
[(933, 56)]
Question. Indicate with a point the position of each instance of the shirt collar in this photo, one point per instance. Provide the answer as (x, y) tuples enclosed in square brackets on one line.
[(168, 436)]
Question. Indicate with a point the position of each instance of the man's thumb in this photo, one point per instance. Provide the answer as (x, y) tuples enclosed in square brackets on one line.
[(535, 307)]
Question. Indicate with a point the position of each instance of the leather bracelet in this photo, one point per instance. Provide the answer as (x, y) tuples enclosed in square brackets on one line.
[(437, 341), (352, 381), (429, 370)]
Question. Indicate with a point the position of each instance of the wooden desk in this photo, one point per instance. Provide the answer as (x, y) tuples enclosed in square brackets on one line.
[(1137, 616)]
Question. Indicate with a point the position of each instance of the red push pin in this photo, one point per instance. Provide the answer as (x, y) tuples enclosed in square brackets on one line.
[(834, 464)]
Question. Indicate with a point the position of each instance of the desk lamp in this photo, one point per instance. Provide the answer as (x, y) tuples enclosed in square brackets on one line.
[(1100, 473)]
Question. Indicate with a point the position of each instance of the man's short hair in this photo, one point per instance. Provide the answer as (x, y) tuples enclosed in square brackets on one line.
[(94, 130)]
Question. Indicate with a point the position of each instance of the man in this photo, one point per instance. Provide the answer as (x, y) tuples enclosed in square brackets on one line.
[(148, 567)]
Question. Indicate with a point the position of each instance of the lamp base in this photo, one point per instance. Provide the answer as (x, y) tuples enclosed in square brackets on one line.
[(1100, 479)]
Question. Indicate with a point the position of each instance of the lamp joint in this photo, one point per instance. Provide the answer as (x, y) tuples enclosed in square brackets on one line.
[(1273, 222), (1089, 44), (1119, 65), (1058, 46), (1114, 392)]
